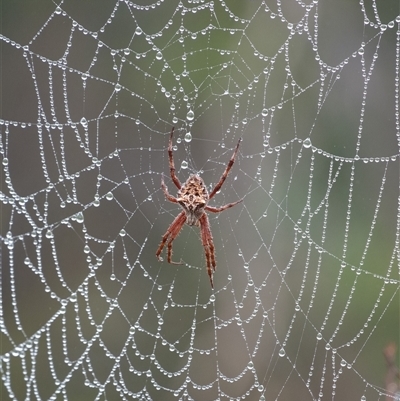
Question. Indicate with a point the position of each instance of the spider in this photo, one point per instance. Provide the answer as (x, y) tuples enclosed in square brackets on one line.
[(193, 197)]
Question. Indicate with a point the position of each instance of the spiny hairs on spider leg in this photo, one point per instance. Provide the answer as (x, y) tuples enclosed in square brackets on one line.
[(193, 198)]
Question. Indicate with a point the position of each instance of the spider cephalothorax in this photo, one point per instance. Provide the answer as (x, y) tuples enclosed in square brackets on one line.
[(193, 198)]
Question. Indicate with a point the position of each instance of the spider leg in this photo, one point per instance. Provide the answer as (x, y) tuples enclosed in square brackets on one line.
[(166, 193), (172, 233), (171, 162), (222, 208), (225, 174), (208, 244)]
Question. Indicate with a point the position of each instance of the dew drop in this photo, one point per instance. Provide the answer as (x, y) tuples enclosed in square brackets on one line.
[(190, 115), (79, 217)]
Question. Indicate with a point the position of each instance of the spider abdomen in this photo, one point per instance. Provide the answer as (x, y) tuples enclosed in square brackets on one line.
[(193, 198)]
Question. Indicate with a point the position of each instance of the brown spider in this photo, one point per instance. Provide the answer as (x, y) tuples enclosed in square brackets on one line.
[(193, 197)]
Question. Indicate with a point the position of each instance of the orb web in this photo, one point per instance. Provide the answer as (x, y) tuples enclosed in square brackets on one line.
[(306, 288)]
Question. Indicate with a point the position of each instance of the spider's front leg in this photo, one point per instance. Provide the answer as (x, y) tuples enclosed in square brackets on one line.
[(208, 244), (172, 233)]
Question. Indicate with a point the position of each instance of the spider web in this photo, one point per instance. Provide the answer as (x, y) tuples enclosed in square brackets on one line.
[(306, 293)]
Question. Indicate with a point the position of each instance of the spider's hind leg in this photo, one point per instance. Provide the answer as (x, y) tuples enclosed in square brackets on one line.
[(226, 172), (174, 178)]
